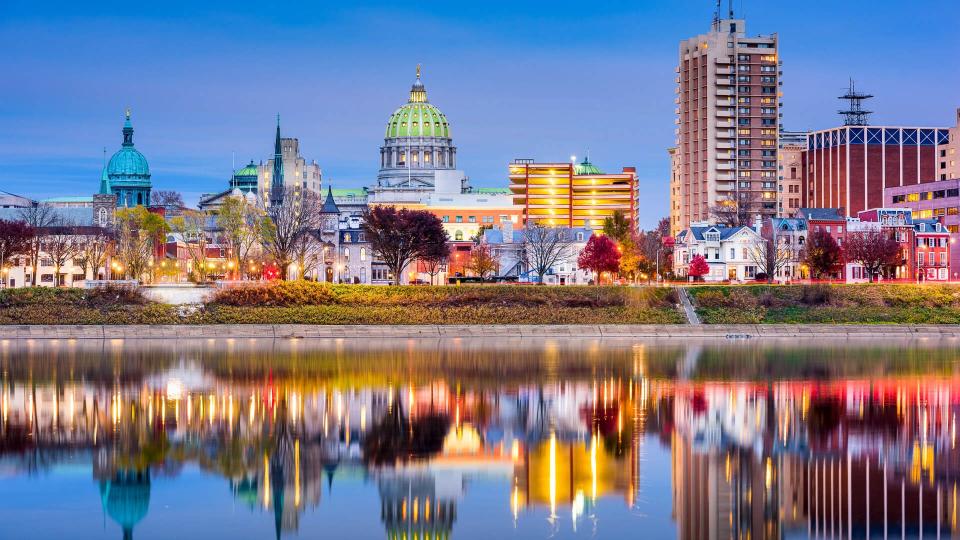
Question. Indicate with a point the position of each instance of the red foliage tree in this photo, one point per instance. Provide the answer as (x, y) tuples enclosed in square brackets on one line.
[(698, 267), (599, 255), (400, 237), (822, 253), (875, 250)]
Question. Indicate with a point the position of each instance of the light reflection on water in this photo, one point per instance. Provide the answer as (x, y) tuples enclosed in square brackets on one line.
[(471, 438)]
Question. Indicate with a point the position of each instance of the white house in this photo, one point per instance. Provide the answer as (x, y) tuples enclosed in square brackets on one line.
[(727, 250), (508, 246)]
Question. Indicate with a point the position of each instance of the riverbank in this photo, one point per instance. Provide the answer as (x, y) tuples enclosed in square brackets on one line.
[(294, 331)]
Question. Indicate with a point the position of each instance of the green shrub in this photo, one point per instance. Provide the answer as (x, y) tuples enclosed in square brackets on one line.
[(276, 293)]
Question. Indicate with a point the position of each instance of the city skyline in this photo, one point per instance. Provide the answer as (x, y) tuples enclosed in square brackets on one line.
[(205, 93)]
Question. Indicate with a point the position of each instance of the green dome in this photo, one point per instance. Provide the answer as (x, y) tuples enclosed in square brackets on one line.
[(128, 164), (585, 167), (250, 170), (418, 118)]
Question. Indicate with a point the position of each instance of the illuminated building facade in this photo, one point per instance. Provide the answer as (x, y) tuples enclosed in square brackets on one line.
[(728, 122), (571, 195)]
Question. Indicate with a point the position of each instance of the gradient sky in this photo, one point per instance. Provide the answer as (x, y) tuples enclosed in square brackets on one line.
[(540, 79)]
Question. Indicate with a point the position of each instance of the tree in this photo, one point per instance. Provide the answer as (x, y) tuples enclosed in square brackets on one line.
[(822, 253), (874, 249), (731, 213), (771, 253), (307, 253), (171, 200), (61, 244), (138, 231), (191, 227), (400, 237), (39, 217), (242, 224), (617, 227), (15, 239), (698, 267), (434, 261), (93, 255), (599, 255), (483, 261), (544, 247), (296, 214)]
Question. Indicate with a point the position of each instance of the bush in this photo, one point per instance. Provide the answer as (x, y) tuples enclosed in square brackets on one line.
[(276, 293), (816, 295)]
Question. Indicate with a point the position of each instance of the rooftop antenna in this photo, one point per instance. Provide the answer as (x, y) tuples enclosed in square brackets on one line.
[(716, 16), (730, 9), (855, 115)]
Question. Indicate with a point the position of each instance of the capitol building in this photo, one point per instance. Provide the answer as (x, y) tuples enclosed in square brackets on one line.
[(418, 156)]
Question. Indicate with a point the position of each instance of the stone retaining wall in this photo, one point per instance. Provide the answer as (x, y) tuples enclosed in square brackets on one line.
[(451, 331)]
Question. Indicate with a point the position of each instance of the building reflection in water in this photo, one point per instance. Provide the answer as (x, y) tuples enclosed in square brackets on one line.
[(764, 442)]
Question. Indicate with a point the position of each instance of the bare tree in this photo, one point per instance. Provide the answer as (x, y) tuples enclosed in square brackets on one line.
[(61, 244), (544, 247), (93, 254), (170, 200), (732, 213), (874, 249), (191, 227), (39, 217), (297, 214), (242, 224), (435, 259), (307, 253), (772, 252), (483, 261)]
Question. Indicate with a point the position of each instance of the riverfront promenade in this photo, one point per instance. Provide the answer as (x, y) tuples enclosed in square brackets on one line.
[(679, 331)]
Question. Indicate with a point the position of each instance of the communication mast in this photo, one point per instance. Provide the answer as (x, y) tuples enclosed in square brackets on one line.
[(855, 115)]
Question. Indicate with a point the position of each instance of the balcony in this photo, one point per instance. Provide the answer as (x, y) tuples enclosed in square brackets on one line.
[(724, 92), (725, 177), (724, 113), (725, 103), (724, 70), (725, 124), (724, 166), (724, 145), (724, 155)]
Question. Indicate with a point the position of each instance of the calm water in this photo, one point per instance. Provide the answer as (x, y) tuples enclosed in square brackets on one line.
[(428, 439)]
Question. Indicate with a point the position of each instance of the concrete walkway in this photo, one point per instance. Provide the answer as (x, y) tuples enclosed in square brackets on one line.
[(688, 310), (284, 331)]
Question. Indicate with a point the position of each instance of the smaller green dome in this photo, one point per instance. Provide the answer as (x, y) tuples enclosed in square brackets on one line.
[(128, 164), (250, 170), (585, 167)]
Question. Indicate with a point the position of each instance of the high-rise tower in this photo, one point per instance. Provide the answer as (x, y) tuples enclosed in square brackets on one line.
[(728, 120)]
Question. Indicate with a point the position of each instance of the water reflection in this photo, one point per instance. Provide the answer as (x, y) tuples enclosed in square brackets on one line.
[(758, 440)]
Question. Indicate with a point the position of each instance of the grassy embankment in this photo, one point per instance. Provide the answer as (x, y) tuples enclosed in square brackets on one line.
[(828, 304), (312, 303)]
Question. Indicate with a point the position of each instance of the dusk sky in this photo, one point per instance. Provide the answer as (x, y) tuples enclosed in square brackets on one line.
[(543, 80)]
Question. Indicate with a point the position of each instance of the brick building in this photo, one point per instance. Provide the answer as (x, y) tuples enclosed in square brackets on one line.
[(849, 167)]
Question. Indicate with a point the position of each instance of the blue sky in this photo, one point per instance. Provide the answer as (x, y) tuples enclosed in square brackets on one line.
[(516, 79)]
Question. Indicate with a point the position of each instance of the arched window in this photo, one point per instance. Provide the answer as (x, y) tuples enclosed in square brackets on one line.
[(139, 198), (346, 254), (346, 237), (458, 235), (102, 217), (363, 254)]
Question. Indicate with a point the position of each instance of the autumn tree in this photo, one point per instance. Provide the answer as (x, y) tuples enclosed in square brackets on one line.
[(873, 249), (138, 232), (617, 227), (698, 267), (15, 239), (483, 261), (295, 215), (822, 253), (39, 218), (242, 224), (544, 247), (400, 237), (599, 255), (307, 254)]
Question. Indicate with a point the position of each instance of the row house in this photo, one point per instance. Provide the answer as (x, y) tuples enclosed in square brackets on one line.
[(729, 251), (932, 242)]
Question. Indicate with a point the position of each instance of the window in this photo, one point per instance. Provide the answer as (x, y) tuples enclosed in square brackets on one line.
[(363, 271), (733, 253), (346, 254), (458, 236), (346, 238), (459, 219), (579, 237), (446, 219), (472, 219), (363, 254), (920, 258)]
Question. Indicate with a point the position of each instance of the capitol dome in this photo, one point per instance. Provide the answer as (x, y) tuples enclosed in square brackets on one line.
[(417, 144), (418, 117)]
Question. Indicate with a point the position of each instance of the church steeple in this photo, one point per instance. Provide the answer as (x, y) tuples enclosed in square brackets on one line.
[(104, 177), (276, 183)]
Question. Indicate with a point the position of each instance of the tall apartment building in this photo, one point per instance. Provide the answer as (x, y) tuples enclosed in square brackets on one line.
[(790, 189), (675, 177), (728, 118)]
